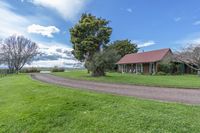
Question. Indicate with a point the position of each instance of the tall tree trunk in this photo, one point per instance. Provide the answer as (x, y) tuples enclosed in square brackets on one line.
[(88, 71), (98, 73)]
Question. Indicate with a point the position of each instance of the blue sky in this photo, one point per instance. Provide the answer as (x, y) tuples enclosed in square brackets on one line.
[(152, 24)]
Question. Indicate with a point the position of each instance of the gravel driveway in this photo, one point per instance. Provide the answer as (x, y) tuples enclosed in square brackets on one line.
[(188, 96)]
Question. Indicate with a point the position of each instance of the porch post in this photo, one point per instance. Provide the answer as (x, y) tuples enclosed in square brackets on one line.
[(131, 68), (142, 68), (149, 67), (154, 67), (136, 68)]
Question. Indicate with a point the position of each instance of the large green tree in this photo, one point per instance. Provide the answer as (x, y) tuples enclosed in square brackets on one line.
[(102, 61), (124, 47), (88, 36)]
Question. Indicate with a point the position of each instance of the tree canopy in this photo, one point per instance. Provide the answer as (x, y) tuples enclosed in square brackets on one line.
[(104, 60), (89, 36), (124, 47), (16, 51), (190, 55)]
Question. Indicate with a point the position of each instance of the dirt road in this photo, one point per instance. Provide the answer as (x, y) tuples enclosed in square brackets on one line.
[(188, 96)]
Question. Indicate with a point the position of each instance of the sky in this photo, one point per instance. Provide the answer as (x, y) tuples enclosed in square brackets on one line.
[(151, 24)]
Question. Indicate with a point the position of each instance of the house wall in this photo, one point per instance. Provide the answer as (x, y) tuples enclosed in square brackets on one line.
[(146, 68), (127, 68), (167, 59), (131, 68)]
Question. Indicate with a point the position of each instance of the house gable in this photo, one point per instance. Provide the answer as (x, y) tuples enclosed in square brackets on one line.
[(167, 58)]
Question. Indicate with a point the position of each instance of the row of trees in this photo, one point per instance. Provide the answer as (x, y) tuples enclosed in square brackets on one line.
[(16, 51)]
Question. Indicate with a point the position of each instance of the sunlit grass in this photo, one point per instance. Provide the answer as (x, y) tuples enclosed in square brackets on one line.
[(179, 81), (28, 106)]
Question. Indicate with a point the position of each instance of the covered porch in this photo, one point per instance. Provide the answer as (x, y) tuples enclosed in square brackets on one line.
[(146, 68)]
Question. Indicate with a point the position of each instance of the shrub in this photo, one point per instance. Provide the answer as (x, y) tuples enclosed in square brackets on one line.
[(57, 69), (161, 73), (102, 61), (166, 68), (30, 70), (180, 69)]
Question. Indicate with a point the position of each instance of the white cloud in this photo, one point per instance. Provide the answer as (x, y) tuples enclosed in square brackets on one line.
[(10, 22), (14, 23), (194, 41), (68, 9), (177, 19), (50, 48), (45, 31), (145, 43), (62, 54), (191, 39), (129, 10), (196, 23)]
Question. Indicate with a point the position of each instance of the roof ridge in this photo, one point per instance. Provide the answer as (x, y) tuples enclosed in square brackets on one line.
[(150, 51), (155, 54)]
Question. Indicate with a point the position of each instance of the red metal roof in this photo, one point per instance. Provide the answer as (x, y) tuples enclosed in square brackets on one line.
[(145, 57)]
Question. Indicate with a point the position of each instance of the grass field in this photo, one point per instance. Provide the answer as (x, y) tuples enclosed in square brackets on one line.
[(30, 106), (179, 81)]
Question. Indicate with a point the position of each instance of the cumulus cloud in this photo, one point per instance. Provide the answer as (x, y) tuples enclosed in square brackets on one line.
[(55, 54), (11, 22), (45, 31), (144, 43), (68, 9), (129, 10), (196, 23)]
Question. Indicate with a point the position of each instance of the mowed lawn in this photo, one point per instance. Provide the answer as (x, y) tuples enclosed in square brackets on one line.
[(177, 81), (30, 106)]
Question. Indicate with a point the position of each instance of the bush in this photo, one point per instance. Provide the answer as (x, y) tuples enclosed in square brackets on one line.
[(166, 68), (180, 69), (57, 69), (30, 70), (102, 61), (161, 73)]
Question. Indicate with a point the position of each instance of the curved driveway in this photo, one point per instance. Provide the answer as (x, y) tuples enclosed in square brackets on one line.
[(188, 96)]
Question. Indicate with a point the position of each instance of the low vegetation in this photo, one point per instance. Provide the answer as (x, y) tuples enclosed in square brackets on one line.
[(57, 69), (30, 70), (3, 72), (179, 81), (30, 106)]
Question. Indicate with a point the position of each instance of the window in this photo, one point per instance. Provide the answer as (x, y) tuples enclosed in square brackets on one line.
[(139, 68)]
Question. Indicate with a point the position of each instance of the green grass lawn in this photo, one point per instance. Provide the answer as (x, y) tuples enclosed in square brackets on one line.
[(179, 81), (28, 106)]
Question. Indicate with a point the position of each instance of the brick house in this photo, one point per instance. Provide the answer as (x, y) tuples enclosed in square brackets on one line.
[(144, 62)]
